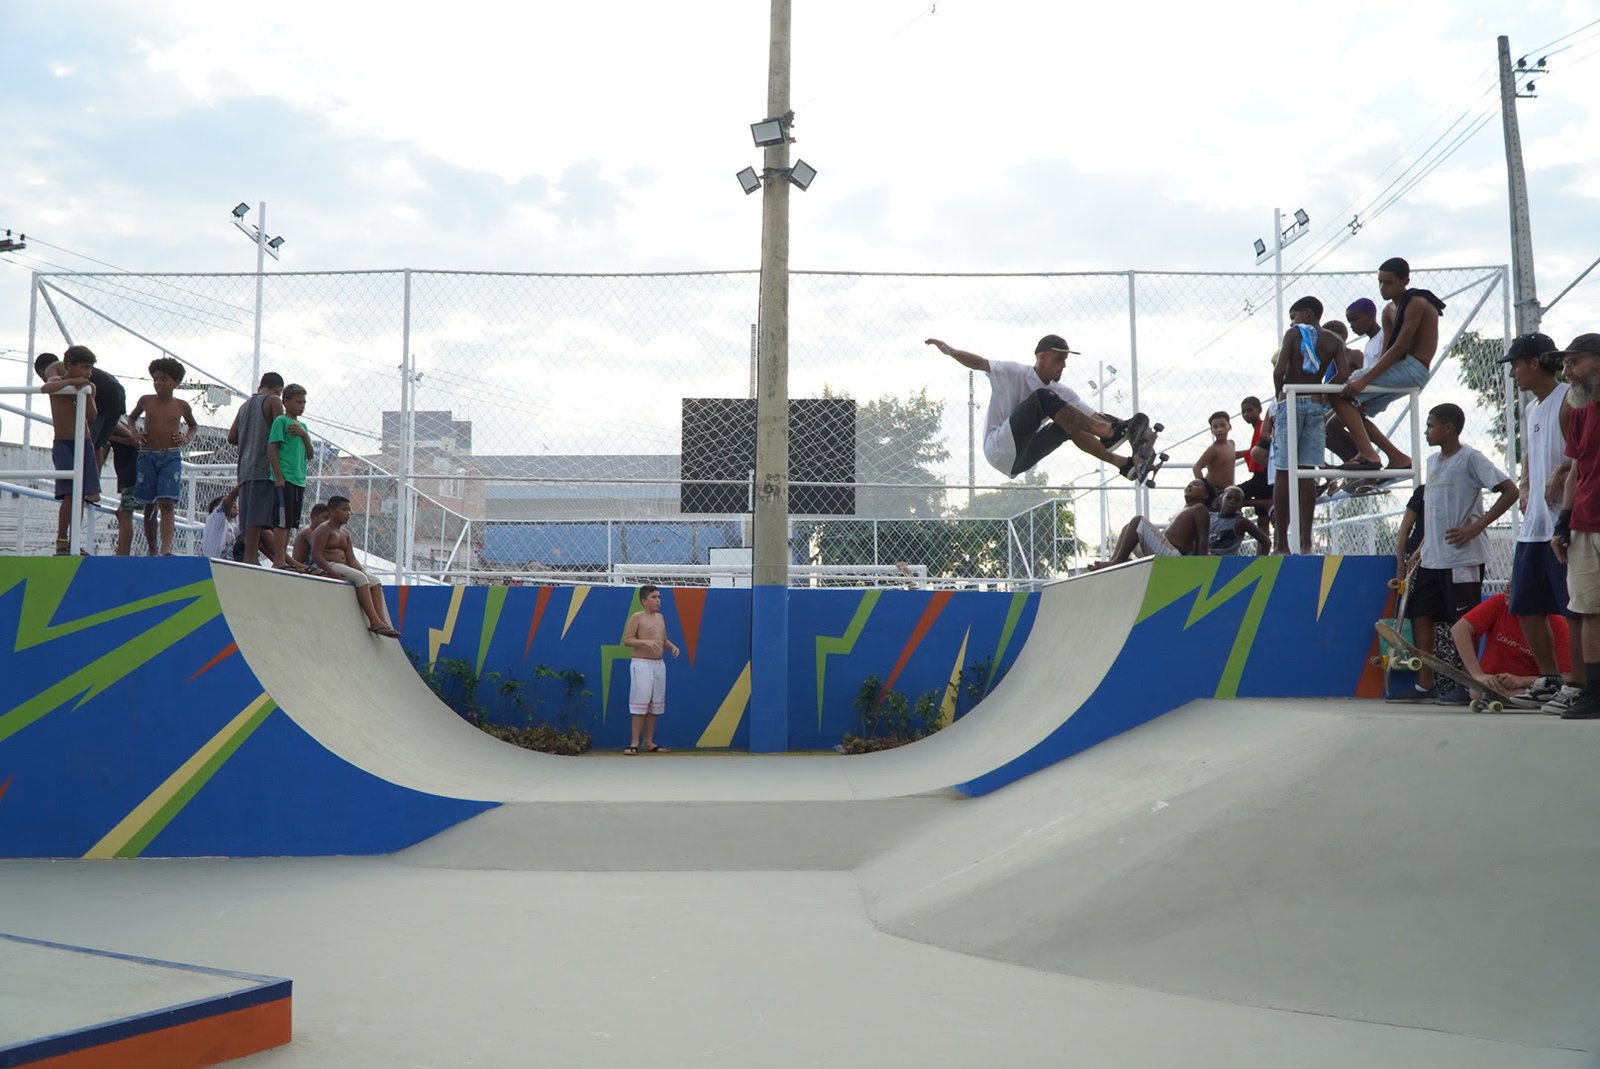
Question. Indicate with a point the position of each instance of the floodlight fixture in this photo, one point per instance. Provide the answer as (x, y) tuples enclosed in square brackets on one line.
[(1301, 218), (749, 180), (767, 132), (802, 174), (276, 243), (1261, 250), (240, 211)]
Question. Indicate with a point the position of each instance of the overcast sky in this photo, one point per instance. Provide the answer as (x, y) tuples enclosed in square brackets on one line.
[(1007, 135)]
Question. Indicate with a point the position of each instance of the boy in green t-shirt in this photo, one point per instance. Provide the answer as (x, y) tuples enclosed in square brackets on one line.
[(288, 449)]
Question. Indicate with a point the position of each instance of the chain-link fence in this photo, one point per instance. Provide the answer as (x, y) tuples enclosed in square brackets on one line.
[(556, 426)]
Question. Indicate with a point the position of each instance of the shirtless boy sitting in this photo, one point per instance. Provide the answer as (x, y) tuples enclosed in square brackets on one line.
[(335, 554), (1188, 535)]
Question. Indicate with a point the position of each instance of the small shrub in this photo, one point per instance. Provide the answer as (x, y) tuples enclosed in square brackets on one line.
[(456, 683)]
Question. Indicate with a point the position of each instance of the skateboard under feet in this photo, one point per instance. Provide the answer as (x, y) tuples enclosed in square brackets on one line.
[(1141, 434)]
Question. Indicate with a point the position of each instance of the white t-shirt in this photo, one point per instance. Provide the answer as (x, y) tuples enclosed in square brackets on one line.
[(1541, 421), (1372, 350), (215, 540), (1455, 496), (1009, 384)]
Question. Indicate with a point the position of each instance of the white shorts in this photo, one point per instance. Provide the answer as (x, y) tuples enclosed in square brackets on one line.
[(352, 575), (1153, 541), (647, 690)]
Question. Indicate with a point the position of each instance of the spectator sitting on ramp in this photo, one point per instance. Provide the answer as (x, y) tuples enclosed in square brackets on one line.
[(1188, 535)]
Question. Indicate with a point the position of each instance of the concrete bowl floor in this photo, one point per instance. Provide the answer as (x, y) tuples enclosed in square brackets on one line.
[(403, 967)]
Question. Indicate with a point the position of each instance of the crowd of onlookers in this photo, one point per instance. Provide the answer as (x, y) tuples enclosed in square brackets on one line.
[(260, 518)]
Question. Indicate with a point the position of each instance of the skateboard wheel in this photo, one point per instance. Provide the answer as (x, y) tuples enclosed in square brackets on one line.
[(1396, 585), (1158, 427), (1496, 707), (1379, 662), (1165, 458), (1478, 707), (1414, 664)]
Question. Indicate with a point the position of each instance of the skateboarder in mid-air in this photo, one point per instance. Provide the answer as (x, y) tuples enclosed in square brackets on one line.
[(1031, 413)]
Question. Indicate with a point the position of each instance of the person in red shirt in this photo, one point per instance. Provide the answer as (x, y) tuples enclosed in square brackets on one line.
[(1577, 538), (1507, 664)]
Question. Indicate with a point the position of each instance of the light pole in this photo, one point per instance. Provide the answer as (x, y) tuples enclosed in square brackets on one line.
[(1283, 239), (1099, 384), (265, 247)]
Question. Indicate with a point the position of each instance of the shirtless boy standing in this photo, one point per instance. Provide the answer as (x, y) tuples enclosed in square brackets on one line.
[(73, 371), (335, 554), (1216, 465), (160, 463), (646, 635)]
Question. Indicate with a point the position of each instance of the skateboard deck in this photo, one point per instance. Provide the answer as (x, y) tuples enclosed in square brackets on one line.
[(1491, 702), (1391, 658), (1140, 435)]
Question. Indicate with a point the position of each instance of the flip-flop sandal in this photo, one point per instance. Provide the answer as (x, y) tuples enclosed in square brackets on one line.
[(1361, 464), (630, 751), (659, 749)]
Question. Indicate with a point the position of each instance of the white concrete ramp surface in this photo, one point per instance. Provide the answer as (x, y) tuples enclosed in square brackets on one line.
[(1408, 865)]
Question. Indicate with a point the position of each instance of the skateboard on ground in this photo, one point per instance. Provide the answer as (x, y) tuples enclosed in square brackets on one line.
[(1140, 434), (1390, 657), (1491, 702)]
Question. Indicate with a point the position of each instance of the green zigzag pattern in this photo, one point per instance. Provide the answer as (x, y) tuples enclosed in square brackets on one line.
[(46, 584), (1171, 582), (828, 645), (611, 654)]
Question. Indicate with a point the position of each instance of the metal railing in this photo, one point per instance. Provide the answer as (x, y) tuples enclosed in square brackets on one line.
[(79, 443)]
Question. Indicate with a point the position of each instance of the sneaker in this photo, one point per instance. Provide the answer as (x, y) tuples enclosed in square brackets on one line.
[(1586, 706), (1457, 695), (1543, 689), (1562, 700)]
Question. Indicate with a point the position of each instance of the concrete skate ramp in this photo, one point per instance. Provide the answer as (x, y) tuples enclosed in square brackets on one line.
[(1415, 867), (361, 698)]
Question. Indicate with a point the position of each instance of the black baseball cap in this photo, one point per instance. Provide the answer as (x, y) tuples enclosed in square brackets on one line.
[(1583, 343), (1054, 343), (1528, 345)]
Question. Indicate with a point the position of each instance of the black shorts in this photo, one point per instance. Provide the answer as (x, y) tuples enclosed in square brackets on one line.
[(1435, 593), (1256, 488), (288, 500)]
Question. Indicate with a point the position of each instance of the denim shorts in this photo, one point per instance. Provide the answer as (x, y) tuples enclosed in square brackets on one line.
[(1312, 432), (160, 475), (1407, 371)]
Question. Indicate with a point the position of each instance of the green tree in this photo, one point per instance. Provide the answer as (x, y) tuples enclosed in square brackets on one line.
[(1477, 364)]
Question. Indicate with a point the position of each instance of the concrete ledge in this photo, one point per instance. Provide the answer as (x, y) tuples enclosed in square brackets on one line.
[(68, 1007)]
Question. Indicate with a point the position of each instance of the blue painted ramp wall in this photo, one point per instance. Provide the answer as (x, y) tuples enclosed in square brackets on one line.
[(1225, 627)]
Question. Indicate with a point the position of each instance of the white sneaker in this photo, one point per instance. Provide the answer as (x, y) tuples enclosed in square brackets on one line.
[(1543, 689), (1562, 701)]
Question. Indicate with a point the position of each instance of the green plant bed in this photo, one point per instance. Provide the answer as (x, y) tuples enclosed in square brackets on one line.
[(522, 706), (890, 719)]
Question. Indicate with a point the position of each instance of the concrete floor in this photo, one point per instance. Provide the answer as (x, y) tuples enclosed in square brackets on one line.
[(426, 968)]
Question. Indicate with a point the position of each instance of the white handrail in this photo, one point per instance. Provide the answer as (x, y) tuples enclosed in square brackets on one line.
[(80, 429), (1292, 392)]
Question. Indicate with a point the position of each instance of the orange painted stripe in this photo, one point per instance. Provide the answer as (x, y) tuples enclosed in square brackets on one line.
[(227, 651), (1370, 685), (400, 593), (6, 786), (690, 602), (935, 606), (538, 614), (188, 1046)]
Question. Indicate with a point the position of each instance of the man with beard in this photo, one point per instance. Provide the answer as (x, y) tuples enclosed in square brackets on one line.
[(1577, 530)]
